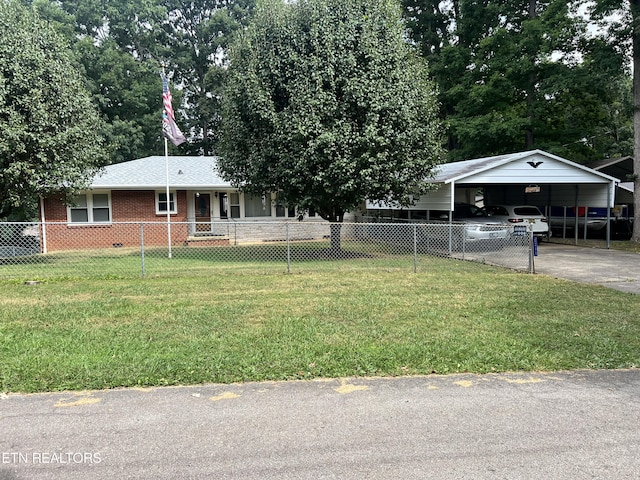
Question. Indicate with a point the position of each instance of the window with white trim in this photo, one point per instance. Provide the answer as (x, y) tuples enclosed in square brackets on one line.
[(90, 208), (161, 202), (285, 211), (257, 206)]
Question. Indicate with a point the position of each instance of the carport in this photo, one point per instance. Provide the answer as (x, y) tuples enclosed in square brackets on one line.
[(526, 178)]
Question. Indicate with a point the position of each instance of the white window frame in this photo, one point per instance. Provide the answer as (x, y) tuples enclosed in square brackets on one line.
[(262, 202), (173, 199), (90, 208)]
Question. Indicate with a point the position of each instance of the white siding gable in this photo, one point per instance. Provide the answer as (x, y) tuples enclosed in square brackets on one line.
[(536, 168)]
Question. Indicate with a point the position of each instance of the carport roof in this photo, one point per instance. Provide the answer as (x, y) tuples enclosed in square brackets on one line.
[(522, 167)]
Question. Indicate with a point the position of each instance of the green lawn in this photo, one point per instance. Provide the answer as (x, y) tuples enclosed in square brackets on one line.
[(189, 261), (622, 245), (343, 320)]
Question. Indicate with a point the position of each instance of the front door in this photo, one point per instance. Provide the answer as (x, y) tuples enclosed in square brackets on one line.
[(203, 212)]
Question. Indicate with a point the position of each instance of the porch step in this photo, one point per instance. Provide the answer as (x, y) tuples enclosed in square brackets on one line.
[(206, 240)]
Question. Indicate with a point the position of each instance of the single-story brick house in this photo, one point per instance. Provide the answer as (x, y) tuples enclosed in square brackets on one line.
[(126, 194), (201, 204)]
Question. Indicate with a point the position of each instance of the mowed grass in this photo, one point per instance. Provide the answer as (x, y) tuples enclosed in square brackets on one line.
[(622, 245), (233, 326)]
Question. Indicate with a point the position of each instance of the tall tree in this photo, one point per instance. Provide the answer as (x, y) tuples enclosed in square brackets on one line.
[(128, 93), (623, 28), (328, 105), (198, 34), (121, 45), (50, 139), (635, 18), (515, 74), (120, 66)]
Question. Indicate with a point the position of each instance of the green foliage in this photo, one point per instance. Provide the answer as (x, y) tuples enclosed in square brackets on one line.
[(128, 94), (198, 34), (621, 24), (516, 75), (121, 46), (50, 140), (327, 105)]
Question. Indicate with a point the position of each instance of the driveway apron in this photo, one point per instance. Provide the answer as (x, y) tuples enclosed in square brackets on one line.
[(609, 268)]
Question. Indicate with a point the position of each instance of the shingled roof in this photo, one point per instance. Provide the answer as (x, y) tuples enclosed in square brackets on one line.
[(150, 172)]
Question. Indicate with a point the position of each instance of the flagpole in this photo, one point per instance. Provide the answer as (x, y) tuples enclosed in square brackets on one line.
[(166, 168), (170, 131), (166, 174)]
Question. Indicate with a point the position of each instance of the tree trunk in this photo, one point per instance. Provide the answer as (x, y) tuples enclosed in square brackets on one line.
[(335, 216), (635, 18), (335, 237), (531, 89)]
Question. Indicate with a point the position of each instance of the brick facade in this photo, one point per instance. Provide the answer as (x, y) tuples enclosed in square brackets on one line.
[(126, 206), (134, 219)]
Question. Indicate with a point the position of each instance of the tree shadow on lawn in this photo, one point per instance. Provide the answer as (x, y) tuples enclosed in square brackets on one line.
[(269, 253), (328, 254)]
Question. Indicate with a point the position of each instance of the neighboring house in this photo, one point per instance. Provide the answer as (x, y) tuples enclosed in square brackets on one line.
[(621, 168), (200, 205)]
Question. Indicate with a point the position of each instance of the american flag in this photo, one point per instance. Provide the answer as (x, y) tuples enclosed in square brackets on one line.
[(169, 128)]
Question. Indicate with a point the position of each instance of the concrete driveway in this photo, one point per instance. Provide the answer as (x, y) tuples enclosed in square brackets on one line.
[(609, 268)]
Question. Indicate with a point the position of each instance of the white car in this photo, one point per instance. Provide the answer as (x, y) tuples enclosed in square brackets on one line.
[(469, 225), (478, 225), (521, 215)]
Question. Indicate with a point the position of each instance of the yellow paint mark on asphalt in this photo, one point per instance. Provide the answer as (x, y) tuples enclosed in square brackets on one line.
[(522, 381), (432, 387), (346, 388), (464, 383), (224, 396), (77, 403)]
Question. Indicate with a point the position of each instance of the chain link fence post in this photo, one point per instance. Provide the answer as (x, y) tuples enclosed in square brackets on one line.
[(288, 249), (531, 252), (415, 248), (142, 248)]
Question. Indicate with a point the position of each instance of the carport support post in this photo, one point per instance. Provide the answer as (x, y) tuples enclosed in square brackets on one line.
[(576, 217), (608, 218)]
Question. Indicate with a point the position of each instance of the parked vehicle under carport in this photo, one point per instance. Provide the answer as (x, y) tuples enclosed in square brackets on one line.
[(470, 227), (563, 221), (514, 215)]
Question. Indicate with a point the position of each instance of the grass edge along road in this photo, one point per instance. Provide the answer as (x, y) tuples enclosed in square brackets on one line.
[(74, 334)]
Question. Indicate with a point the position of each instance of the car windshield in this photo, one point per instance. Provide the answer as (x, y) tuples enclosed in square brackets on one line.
[(468, 211), (526, 211), (496, 210)]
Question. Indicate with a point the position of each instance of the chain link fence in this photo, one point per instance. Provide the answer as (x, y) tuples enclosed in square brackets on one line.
[(33, 251)]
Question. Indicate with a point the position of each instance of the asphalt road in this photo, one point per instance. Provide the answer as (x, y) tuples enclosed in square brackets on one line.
[(570, 425), (609, 268)]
